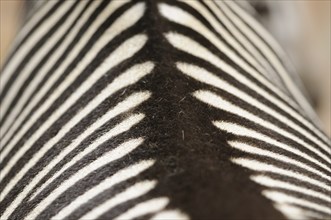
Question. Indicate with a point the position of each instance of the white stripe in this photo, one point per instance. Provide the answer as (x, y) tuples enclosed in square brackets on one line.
[(242, 131), (179, 16), (129, 77), (279, 67), (170, 214), (220, 103), (295, 213), (147, 207), (132, 192), (45, 69), (205, 76), (284, 198), (108, 157), (36, 58), (198, 50), (273, 183), (264, 152), (124, 51), (32, 41), (264, 167)]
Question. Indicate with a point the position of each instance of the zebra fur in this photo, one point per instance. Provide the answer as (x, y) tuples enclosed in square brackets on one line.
[(156, 110)]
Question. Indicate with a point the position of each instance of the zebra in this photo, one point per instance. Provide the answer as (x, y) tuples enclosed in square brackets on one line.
[(156, 109)]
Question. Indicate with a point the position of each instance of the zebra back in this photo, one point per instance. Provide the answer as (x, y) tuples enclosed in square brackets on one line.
[(156, 109)]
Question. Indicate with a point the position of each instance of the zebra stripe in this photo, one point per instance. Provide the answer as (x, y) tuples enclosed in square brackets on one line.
[(30, 39), (211, 79), (132, 192), (23, 100), (156, 110), (245, 42), (117, 84), (188, 20), (114, 30), (285, 75), (41, 53), (203, 53)]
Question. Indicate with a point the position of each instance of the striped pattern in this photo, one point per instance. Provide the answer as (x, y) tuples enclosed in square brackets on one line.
[(156, 110)]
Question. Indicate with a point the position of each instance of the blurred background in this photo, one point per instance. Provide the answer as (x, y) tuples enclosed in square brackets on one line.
[(302, 27)]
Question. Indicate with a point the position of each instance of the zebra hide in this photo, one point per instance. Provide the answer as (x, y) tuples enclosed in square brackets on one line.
[(156, 109)]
